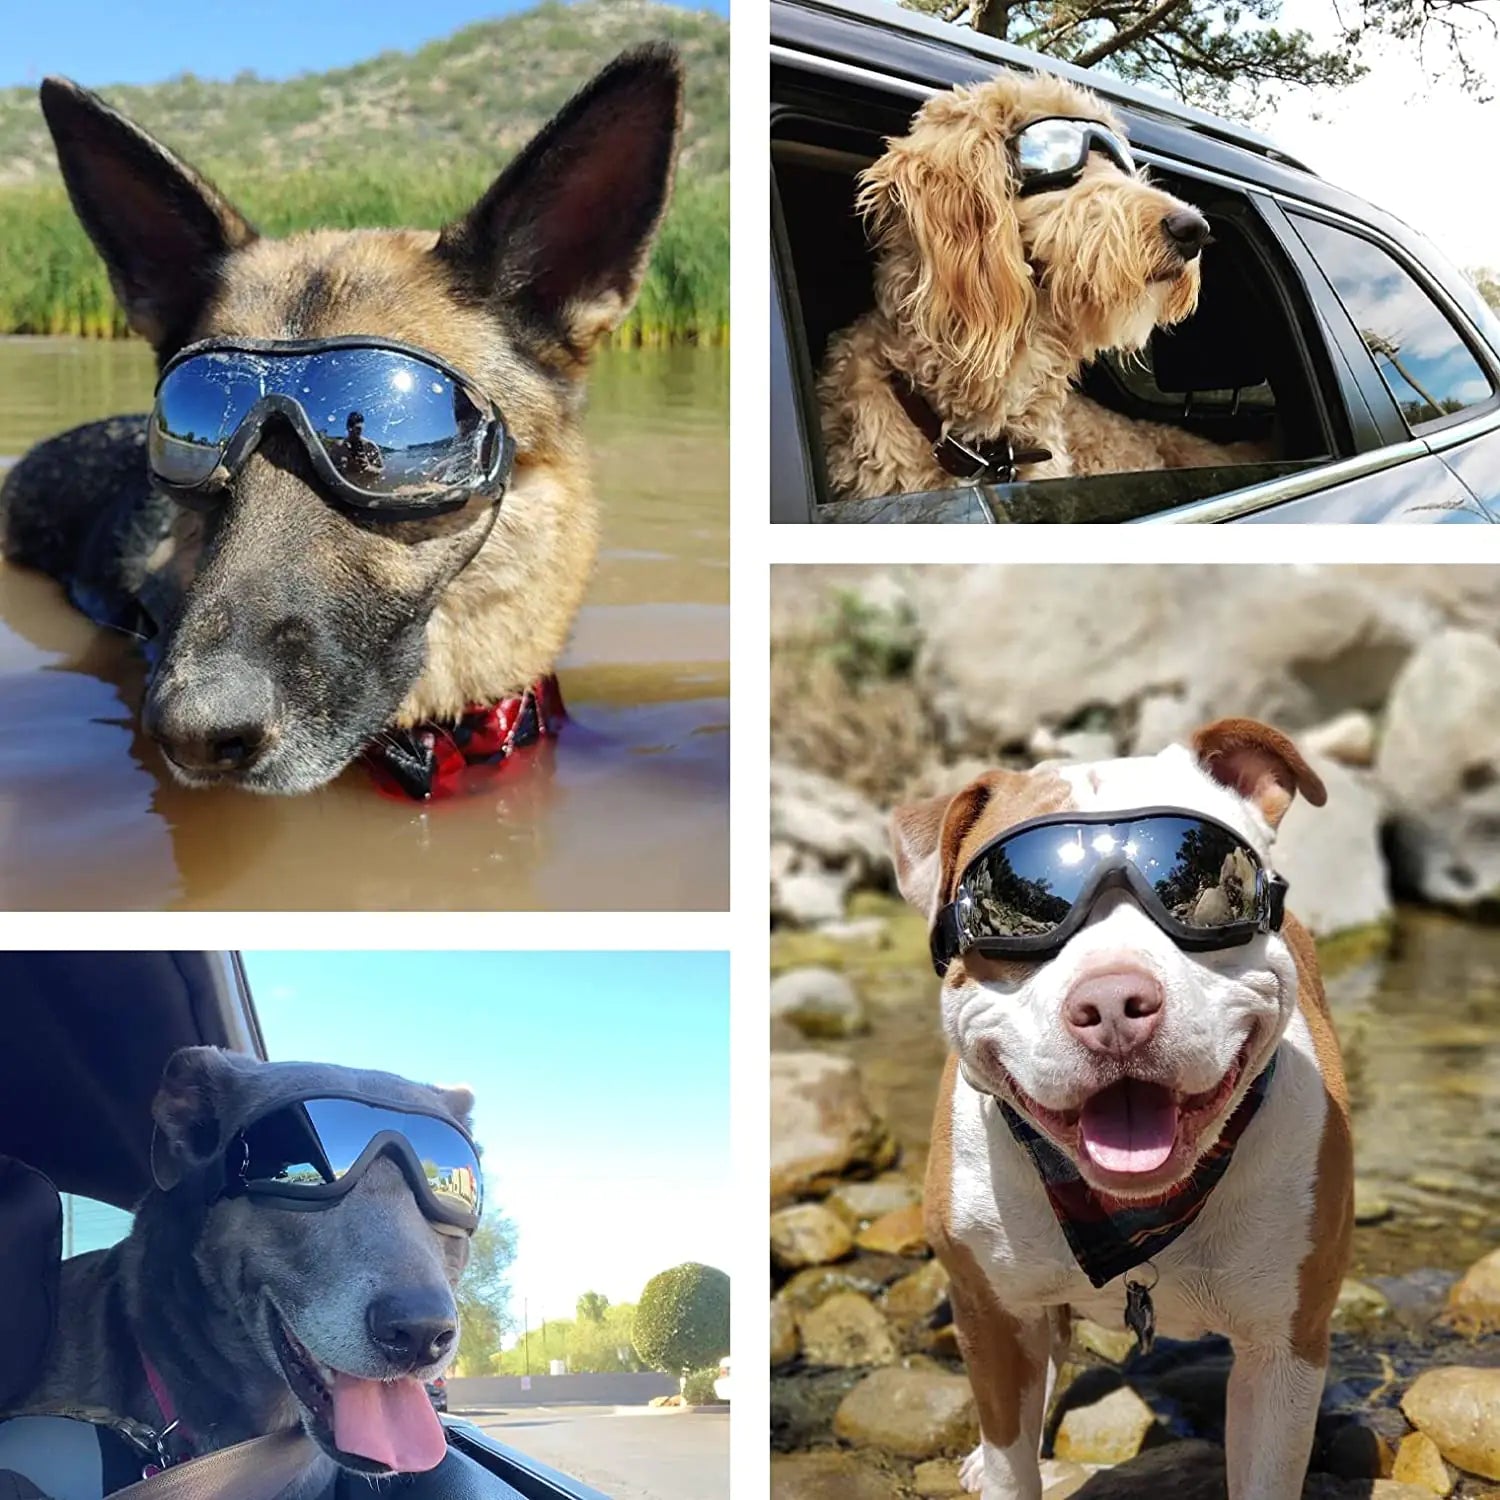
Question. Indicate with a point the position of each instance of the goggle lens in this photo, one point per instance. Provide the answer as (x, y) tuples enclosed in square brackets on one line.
[(1027, 885), (393, 427), (315, 1142), (1059, 148)]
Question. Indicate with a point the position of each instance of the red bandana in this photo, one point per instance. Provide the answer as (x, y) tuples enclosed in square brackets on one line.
[(428, 760)]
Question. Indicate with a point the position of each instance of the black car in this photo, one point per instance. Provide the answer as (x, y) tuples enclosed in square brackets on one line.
[(1327, 330), (87, 1036)]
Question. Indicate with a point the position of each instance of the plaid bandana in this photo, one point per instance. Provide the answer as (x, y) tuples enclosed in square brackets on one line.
[(429, 760), (1106, 1243)]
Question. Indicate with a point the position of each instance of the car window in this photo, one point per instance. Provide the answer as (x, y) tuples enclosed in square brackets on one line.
[(1425, 364), (91, 1225)]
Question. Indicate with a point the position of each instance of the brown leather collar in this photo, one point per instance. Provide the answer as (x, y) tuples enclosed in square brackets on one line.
[(993, 461)]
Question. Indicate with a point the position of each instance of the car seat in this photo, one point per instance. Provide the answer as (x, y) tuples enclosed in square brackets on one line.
[(48, 1456)]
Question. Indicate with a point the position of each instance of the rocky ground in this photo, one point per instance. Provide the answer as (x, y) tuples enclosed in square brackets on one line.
[(891, 683), (869, 1398)]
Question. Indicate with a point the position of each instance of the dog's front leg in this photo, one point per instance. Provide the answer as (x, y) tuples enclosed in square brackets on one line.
[(1272, 1410), (1006, 1354)]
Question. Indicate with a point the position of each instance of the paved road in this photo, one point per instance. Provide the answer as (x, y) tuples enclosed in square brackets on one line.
[(627, 1454)]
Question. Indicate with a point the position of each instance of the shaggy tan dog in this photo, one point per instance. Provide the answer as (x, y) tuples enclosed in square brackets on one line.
[(990, 302)]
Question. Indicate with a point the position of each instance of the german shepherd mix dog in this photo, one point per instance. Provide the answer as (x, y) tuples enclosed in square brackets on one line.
[(295, 1264), (310, 586)]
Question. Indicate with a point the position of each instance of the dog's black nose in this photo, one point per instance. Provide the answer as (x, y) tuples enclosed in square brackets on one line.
[(413, 1328), (1187, 230), (220, 720)]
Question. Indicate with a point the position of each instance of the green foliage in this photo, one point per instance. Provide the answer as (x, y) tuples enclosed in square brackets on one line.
[(588, 1345), (1230, 55), (483, 1296), (698, 1388), (1488, 283), (682, 1319), (398, 140), (869, 642), (592, 1306)]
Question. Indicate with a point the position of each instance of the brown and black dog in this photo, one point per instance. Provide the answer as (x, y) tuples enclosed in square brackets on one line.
[(361, 626)]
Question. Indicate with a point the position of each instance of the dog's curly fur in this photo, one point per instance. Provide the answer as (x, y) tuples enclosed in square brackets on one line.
[(992, 303)]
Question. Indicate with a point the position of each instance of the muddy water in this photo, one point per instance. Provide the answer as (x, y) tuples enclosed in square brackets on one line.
[(628, 810), (1420, 1032)]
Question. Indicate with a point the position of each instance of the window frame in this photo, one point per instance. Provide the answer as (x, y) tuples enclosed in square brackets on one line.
[(1344, 407), (1457, 320)]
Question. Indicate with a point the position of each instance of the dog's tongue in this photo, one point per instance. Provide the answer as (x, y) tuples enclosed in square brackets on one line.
[(391, 1421), (1129, 1127)]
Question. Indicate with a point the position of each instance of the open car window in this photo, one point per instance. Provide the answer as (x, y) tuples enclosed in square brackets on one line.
[(1244, 370)]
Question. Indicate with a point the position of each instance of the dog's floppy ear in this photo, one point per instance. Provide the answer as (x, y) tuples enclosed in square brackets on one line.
[(926, 835), (563, 235), (161, 229), (1258, 762), (947, 185), (189, 1113)]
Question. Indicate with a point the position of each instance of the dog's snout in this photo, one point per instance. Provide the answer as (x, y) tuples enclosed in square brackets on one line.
[(1115, 1012), (1187, 230), (221, 720), (412, 1328)]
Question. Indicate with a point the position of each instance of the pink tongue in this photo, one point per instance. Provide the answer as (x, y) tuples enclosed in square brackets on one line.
[(1129, 1127), (390, 1421)]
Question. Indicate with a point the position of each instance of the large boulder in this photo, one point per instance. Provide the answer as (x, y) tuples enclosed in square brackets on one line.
[(830, 822), (1331, 855), (1439, 763), (1008, 647), (822, 1126)]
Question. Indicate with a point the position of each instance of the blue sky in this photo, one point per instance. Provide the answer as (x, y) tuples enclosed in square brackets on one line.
[(98, 42), (601, 1081)]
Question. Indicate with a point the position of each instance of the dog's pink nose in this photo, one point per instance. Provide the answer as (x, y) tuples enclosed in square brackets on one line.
[(1114, 1012)]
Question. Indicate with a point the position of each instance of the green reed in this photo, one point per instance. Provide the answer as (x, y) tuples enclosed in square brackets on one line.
[(52, 282)]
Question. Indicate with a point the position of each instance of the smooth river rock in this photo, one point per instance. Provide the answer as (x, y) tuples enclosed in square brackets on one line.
[(915, 1413), (1458, 1407), (845, 1331), (1107, 1431), (826, 1476), (808, 1234), (822, 1127), (1474, 1302), (819, 1002), (1419, 1462)]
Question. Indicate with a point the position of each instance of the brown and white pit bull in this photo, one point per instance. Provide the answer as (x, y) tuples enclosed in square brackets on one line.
[(1263, 1260)]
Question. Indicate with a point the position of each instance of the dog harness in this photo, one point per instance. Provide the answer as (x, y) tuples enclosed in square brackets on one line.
[(429, 760), (1109, 1237), (993, 461)]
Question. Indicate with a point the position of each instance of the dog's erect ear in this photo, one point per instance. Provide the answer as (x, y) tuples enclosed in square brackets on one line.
[(189, 1114), (947, 185), (926, 836), (458, 1100), (1258, 762), (563, 235), (161, 229)]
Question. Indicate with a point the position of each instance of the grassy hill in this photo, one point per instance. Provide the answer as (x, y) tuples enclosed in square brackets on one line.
[(404, 138)]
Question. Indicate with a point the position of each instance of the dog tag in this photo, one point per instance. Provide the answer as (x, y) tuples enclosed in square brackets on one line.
[(1140, 1315)]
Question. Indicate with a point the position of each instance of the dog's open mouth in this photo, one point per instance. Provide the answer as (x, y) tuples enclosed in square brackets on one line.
[(374, 1426), (1132, 1130)]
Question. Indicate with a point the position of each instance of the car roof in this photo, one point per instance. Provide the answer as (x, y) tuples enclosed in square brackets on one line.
[(86, 1036)]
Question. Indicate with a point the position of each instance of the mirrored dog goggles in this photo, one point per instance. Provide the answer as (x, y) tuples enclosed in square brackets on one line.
[(309, 1153), (1053, 152), (1027, 892), (391, 431)]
